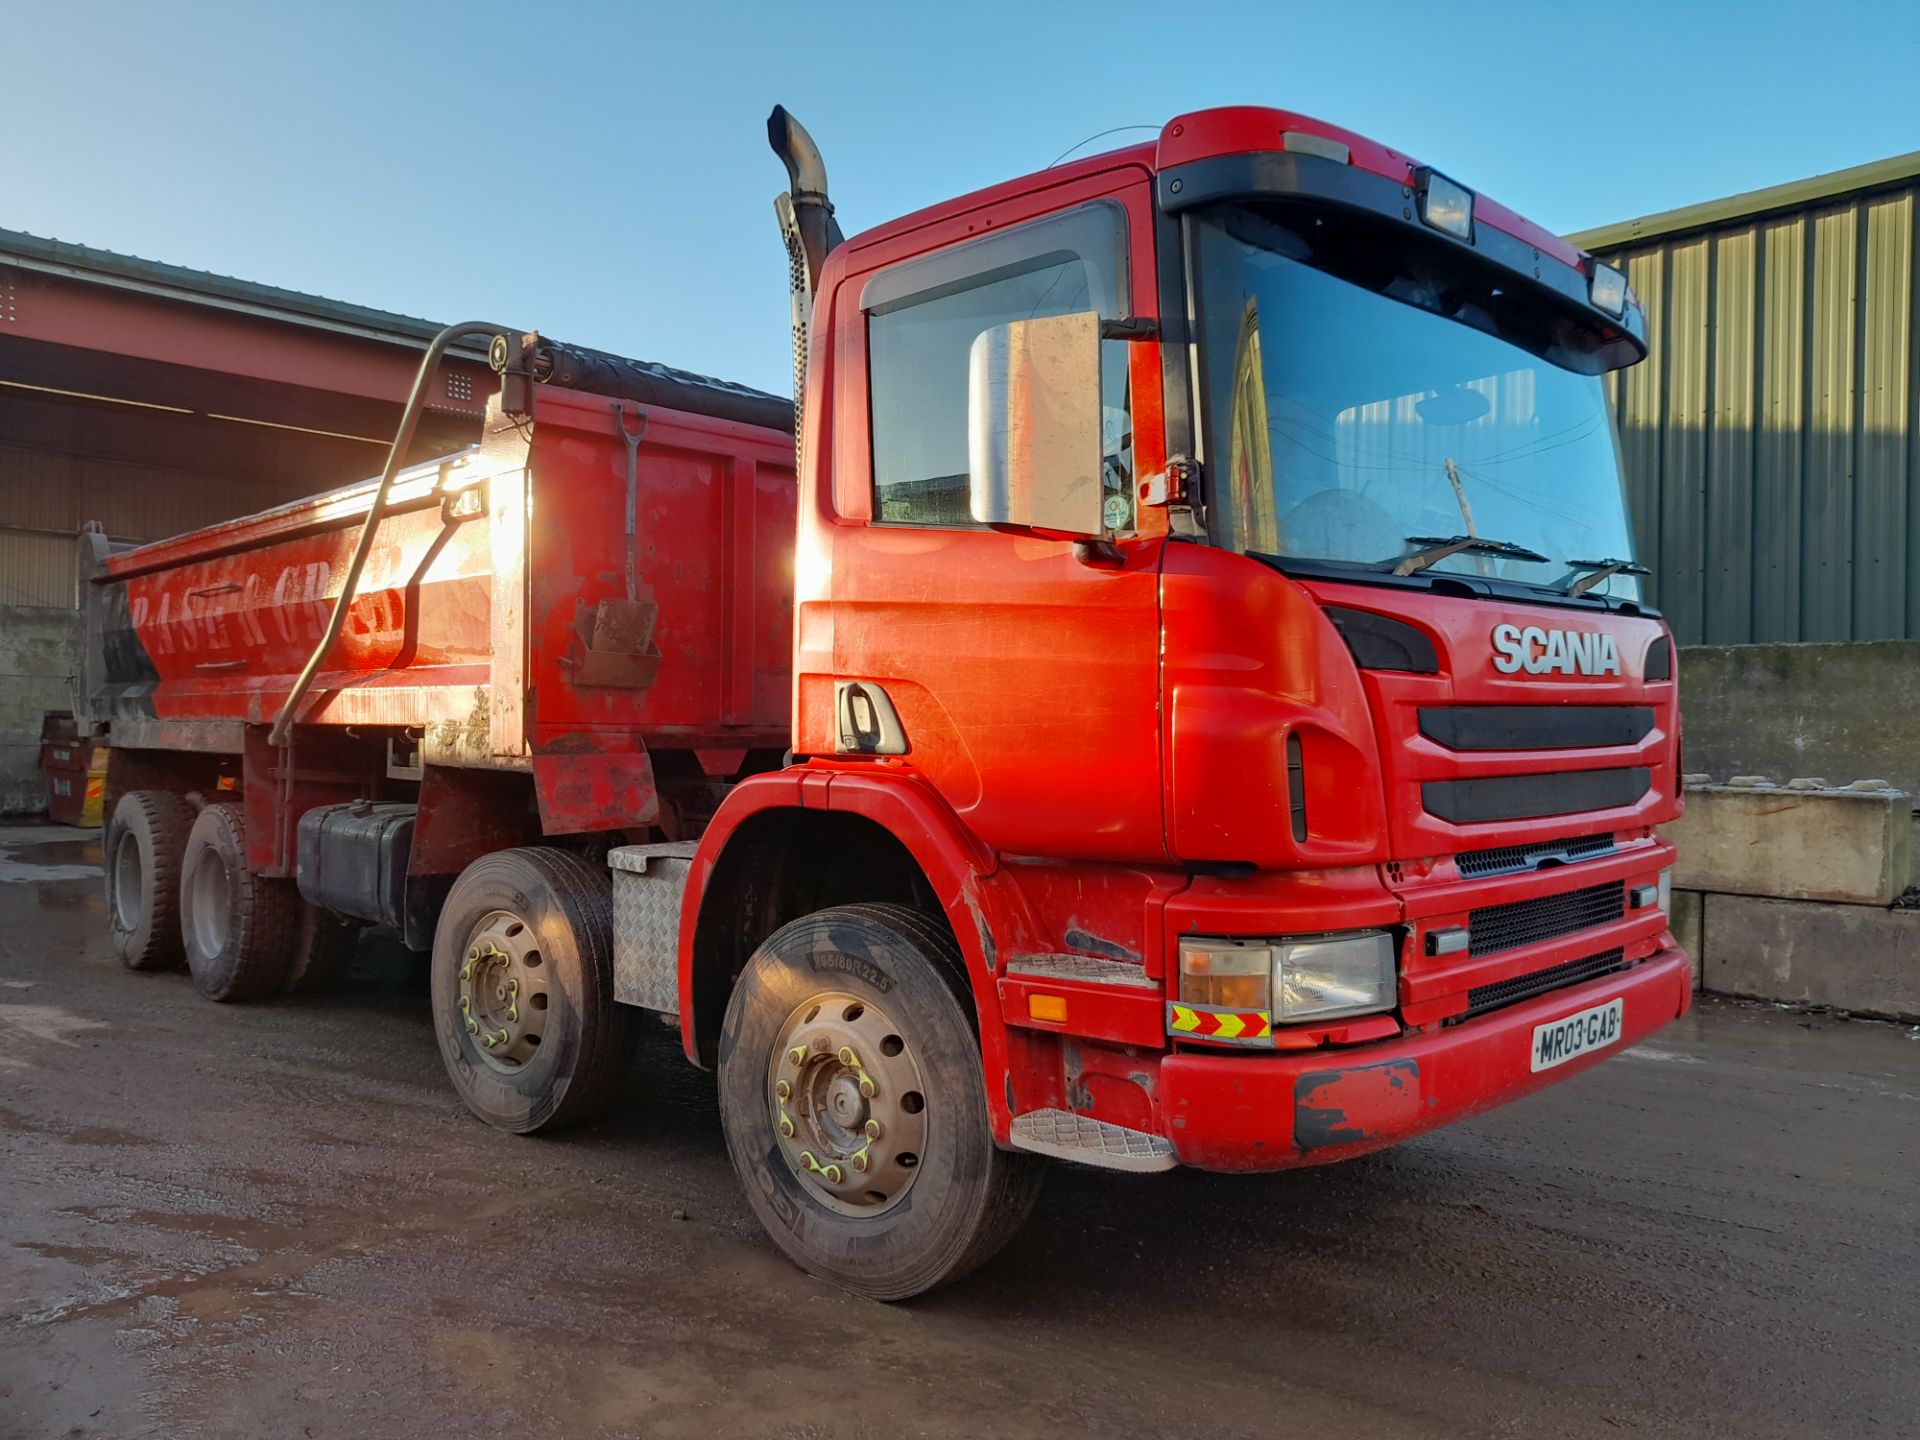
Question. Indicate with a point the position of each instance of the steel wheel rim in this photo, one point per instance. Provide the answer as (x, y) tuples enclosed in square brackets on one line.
[(127, 874), (212, 894), (848, 1104), (502, 999)]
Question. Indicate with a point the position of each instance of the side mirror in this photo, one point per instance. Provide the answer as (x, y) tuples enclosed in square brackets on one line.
[(1033, 427)]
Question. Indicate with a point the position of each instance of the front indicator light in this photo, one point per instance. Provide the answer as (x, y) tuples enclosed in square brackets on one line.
[(1608, 289), (1445, 205), (1226, 974), (1666, 891), (1341, 975)]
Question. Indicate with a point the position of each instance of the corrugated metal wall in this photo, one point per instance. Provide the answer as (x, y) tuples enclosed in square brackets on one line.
[(1769, 438), (54, 478)]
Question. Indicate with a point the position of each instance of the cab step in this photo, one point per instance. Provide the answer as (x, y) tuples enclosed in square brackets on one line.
[(1086, 1141), (1083, 968)]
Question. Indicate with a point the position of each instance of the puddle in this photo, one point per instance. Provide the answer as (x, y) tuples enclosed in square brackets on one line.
[(12, 872), (71, 895), (58, 852)]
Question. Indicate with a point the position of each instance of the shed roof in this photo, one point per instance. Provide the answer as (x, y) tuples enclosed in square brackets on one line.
[(1895, 170), (154, 277)]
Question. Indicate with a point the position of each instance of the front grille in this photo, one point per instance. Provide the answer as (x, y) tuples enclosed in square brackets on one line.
[(1528, 797), (1483, 998), (1508, 858), (1535, 727), (1493, 928)]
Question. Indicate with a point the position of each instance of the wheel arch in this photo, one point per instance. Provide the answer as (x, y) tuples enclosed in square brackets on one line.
[(786, 844)]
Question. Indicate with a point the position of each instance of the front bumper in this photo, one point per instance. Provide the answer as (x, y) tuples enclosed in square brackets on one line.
[(1274, 1112)]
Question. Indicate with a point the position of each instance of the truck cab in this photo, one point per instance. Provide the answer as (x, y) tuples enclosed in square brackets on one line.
[(1215, 607)]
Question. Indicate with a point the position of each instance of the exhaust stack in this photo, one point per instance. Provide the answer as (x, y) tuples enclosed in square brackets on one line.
[(810, 232)]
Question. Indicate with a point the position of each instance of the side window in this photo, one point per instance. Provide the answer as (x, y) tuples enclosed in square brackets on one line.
[(922, 318)]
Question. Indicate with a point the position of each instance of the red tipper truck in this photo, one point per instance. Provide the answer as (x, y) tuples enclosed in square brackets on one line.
[(1192, 706)]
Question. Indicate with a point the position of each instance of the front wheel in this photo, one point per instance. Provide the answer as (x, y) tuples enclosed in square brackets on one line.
[(523, 990), (854, 1105)]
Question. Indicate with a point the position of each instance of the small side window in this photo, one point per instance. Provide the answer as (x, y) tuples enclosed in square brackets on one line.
[(921, 323)]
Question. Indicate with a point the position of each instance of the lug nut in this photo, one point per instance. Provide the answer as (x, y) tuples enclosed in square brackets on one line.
[(797, 1054), (786, 1127), (873, 1129), (833, 1174), (784, 1090), (848, 1058), (867, 1088)]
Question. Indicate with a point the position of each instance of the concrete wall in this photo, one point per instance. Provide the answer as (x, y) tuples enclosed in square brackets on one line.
[(1843, 712), (38, 650)]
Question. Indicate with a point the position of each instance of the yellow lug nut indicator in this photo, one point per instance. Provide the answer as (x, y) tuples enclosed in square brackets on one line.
[(501, 990), (847, 1102)]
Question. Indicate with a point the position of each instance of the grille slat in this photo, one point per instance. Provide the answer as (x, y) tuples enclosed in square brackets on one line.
[(1483, 998), (1507, 858), (1529, 796), (1494, 928)]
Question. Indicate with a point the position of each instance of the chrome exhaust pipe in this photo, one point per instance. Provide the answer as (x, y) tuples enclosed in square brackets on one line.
[(807, 189), (810, 233)]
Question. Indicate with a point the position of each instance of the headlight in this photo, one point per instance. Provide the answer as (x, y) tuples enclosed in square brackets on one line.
[(1341, 975), (1317, 979)]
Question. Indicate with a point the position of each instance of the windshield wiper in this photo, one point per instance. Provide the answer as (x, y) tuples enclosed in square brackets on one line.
[(1434, 549), (1589, 573)]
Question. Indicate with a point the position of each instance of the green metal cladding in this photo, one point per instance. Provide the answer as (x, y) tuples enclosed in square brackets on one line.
[(1768, 437)]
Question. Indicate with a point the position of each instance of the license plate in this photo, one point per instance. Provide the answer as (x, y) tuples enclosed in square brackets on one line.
[(1558, 1041)]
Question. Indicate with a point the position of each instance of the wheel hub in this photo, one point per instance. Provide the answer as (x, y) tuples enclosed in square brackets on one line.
[(502, 998), (847, 1103), (127, 877)]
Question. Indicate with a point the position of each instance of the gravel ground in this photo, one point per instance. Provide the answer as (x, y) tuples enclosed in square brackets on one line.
[(276, 1220)]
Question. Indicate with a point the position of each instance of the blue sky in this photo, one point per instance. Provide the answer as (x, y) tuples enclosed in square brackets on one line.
[(600, 172)]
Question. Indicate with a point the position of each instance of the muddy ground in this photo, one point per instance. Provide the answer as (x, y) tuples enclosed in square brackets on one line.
[(276, 1220)]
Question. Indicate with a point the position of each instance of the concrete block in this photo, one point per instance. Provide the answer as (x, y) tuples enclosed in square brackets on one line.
[(1852, 846), (1850, 957), (1685, 922), (1840, 710)]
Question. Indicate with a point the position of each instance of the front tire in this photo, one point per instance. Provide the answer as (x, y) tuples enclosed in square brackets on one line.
[(854, 1105), (146, 840), (523, 990)]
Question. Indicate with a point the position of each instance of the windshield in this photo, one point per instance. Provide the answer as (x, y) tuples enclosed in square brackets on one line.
[(1368, 401)]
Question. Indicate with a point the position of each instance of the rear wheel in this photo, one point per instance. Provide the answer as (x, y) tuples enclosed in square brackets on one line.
[(523, 990), (145, 841), (239, 928), (854, 1105)]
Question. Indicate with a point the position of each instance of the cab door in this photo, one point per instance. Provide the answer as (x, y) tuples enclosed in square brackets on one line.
[(1023, 678)]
